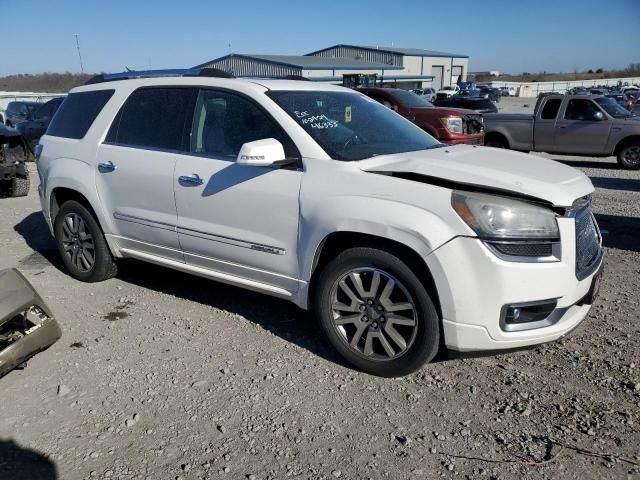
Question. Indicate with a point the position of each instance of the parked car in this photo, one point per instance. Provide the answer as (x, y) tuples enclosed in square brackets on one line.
[(491, 93), (37, 122), (446, 124), (320, 195), (446, 92), (427, 93), (18, 111), (504, 91), (571, 125), (478, 104), (468, 93), (14, 176)]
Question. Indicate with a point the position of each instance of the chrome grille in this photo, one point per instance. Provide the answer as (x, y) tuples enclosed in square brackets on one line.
[(588, 249)]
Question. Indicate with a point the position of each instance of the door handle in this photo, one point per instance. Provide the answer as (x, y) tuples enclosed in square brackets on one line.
[(192, 180), (106, 167)]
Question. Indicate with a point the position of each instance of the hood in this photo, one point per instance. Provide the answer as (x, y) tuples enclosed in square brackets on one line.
[(489, 168)]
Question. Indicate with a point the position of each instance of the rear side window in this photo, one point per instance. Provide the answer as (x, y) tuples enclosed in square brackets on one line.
[(550, 110), (77, 113), (154, 118)]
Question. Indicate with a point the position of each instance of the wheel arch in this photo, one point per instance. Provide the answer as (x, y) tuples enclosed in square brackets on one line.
[(336, 242), (632, 139), (495, 135)]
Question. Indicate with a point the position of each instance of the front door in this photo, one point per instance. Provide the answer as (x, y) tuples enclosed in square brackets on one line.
[(237, 219), (580, 131), (136, 166)]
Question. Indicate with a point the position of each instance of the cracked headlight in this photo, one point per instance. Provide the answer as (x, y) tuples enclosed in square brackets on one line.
[(500, 218)]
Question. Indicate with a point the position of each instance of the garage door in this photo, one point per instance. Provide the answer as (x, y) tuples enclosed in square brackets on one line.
[(456, 72), (438, 72)]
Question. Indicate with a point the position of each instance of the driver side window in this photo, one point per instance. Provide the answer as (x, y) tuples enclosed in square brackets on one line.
[(223, 122), (581, 109)]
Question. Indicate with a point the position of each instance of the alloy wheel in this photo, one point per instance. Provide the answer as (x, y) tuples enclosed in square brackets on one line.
[(374, 313), (632, 155), (78, 243)]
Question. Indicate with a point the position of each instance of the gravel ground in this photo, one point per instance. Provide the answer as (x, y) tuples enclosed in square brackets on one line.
[(160, 375)]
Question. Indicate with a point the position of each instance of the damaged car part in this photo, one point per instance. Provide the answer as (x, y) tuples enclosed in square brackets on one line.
[(14, 176), (27, 326)]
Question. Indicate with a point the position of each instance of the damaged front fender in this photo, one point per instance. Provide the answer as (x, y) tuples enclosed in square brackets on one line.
[(27, 325)]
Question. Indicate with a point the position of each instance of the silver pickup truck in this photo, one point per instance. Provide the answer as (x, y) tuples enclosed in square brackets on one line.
[(590, 125)]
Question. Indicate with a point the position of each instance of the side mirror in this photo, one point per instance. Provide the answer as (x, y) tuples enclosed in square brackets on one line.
[(261, 153), (599, 116)]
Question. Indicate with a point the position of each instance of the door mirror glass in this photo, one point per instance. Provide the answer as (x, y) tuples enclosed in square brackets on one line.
[(599, 116), (261, 153)]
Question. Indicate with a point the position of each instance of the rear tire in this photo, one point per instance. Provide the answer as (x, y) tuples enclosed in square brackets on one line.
[(82, 245), (629, 156), (386, 326), (496, 141)]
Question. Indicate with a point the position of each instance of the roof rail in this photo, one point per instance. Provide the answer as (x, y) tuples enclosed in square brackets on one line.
[(176, 72)]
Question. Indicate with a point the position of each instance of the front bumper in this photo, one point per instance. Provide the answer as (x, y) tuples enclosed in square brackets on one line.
[(27, 326), (8, 172), (474, 285), (455, 139)]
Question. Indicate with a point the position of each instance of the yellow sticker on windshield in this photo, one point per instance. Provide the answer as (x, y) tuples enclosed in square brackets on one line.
[(347, 114)]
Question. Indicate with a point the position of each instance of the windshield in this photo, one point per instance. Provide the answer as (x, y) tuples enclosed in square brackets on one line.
[(447, 88), (351, 126), (410, 99), (612, 107)]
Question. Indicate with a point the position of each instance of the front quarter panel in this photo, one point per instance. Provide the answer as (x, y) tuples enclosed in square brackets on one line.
[(339, 197)]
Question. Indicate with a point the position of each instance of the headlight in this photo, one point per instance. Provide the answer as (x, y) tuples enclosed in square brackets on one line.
[(453, 124), (501, 218)]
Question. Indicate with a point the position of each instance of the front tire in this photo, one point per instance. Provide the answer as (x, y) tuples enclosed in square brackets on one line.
[(82, 245), (376, 313), (629, 156)]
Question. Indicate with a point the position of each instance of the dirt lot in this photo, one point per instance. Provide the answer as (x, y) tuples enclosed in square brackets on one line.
[(160, 375)]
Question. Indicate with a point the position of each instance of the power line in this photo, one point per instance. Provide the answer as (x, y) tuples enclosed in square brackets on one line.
[(79, 54)]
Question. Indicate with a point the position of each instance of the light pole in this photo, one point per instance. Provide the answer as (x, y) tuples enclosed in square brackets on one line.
[(79, 54)]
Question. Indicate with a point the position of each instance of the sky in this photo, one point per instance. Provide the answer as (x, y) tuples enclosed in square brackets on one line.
[(510, 36)]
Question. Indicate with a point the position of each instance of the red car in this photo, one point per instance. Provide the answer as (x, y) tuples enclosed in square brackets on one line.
[(448, 125)]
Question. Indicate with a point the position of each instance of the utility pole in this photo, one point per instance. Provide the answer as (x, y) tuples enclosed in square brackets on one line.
[(79, 54)]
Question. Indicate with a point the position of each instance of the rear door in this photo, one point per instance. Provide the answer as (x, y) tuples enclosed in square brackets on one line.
[(544, 126), (579, 130), (237, 219), (136, 166)]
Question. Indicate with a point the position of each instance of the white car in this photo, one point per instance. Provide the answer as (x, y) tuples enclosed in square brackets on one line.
[(428, 93), (319, 195), (449, 91)]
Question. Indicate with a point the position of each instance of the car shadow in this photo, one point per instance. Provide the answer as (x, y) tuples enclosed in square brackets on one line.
[(35, 232), (232, 175), (620, 232), (596, 163), (624, 184), (18, 463), (279, 317)]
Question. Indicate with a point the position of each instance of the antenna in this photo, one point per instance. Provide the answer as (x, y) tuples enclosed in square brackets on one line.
[(79, 54)]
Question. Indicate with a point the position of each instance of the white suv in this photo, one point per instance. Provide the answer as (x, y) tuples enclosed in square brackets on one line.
[(320, 195)]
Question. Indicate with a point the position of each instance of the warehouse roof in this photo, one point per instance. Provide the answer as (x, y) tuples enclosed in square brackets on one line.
[(311, 63), (418, 52)]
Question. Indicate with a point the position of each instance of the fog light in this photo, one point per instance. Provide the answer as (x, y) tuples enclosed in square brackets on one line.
[(531, 312)]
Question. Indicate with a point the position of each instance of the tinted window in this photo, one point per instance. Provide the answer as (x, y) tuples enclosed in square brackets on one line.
[(223, 122), (551, 108), (350, 126), (579, 109), (153, 118), (46, 111), (409, 99), (77, 113)]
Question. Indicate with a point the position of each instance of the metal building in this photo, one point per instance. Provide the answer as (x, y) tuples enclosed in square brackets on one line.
[(401, 67)]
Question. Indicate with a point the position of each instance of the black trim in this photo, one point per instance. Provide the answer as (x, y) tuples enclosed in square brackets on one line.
[(467, 187)]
